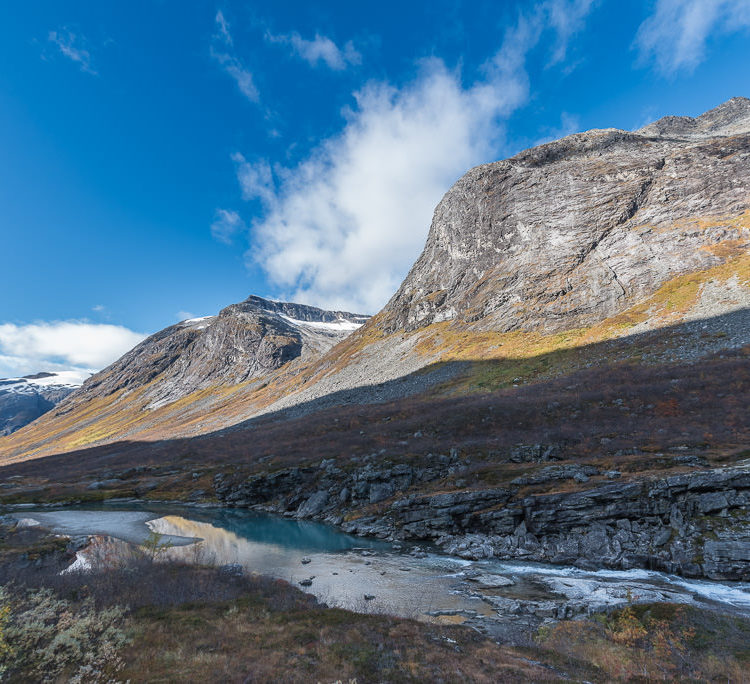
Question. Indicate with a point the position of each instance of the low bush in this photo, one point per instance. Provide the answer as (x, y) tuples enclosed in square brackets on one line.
[(659, 642), (44, 638)]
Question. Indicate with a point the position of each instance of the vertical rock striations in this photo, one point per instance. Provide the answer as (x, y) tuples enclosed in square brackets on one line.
[(569, 233)]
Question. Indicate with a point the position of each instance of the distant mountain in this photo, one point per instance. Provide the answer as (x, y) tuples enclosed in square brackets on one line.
[(244, 342), (23, 400)]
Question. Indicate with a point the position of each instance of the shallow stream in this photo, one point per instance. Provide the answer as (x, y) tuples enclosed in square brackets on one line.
[(374, 576)]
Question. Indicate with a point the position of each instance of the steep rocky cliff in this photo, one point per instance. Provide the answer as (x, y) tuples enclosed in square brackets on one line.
[(695, 524), (569, 233)]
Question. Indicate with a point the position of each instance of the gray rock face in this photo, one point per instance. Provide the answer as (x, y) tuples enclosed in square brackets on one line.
[(577, 230), (23, 400), (244, 341), (695, 524)]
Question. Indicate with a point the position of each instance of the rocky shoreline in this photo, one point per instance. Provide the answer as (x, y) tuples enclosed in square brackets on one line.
[(693, 524)]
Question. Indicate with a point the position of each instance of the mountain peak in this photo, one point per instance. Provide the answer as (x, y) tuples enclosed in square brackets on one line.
[(729, 118), (243, 342)]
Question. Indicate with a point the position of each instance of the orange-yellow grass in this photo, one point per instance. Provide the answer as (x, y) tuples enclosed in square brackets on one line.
[(526, 356)]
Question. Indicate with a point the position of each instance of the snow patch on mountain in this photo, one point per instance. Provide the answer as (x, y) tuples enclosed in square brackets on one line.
[(339, 325), (31, 383), (24, 399), (199, 323)]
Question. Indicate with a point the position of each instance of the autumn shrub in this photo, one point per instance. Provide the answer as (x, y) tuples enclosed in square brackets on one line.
[(655, 643), (5, 650), (46, 638)]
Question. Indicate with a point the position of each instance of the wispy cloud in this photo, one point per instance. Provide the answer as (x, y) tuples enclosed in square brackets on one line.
[(222, 50), (60, 345), (226, 225), (674, 37), (73, 46), (255, 179), (320, 49), (565, 18), (222, 29), (342, 228)]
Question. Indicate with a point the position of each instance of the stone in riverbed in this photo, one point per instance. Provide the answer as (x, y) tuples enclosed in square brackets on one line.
[(492, 581)]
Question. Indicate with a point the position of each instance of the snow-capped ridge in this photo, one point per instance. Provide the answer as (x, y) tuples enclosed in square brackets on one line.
[(69, 378)]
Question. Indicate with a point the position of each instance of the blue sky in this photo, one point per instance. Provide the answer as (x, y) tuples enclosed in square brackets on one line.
[(160, 160)]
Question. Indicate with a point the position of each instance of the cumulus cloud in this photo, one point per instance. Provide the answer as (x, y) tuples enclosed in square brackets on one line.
[(675, 35), (342, 228), (72, 46), (320, 49), (222, 50), (226, 225), (62, 345)]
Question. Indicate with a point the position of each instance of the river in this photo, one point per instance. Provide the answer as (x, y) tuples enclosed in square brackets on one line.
[(365, 575)]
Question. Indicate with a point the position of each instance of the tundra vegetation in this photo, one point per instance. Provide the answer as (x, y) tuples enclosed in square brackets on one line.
[(146, 619)]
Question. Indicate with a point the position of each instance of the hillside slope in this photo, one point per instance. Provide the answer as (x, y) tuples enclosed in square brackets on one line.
[(599, 237), (208, 358)]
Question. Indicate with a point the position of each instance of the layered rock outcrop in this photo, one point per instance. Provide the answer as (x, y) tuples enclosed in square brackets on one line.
[(696, 524), (569, 233)]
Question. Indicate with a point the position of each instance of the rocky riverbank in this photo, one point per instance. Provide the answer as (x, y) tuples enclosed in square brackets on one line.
[(692, 523)]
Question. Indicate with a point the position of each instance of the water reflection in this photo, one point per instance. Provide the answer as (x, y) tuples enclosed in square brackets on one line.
[(363, 580), (372, 576)]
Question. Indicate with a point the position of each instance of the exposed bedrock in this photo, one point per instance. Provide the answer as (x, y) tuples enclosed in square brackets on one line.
[(574, 231), (694, 524)]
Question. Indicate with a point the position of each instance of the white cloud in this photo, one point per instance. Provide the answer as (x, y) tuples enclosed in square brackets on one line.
[(674, 37), (319, 49), (72, 46), (222, 52), (61, 345), (256, 179), (342, 228), (222, 29), (226, 225), (566, 18)]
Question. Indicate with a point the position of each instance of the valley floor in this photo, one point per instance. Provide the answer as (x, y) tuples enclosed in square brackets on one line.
[(155, 621)]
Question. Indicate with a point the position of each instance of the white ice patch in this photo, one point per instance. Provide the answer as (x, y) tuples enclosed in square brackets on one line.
[(73, 378), (198, 323), (339, 325)]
